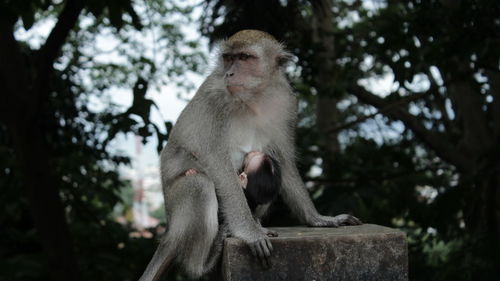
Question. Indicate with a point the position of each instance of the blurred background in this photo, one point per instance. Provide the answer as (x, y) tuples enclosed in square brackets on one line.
[(399, 124)]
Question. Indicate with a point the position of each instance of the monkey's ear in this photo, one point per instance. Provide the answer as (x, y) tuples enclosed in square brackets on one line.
[(284, 58)]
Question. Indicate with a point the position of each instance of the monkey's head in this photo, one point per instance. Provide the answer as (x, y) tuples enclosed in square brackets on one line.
[(263, 178), (250, 60)]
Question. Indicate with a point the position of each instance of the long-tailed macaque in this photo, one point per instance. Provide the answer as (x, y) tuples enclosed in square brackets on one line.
[(244, 105)]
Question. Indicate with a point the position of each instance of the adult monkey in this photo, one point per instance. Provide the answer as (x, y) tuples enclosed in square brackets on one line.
[(245, 104)]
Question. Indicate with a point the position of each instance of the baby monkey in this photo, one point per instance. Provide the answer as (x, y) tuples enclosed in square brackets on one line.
[(260, 178)]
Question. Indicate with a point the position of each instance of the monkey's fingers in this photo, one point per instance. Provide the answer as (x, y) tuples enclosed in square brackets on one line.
[(336, 221), (262, 249), (190, 172), (355, 221), (266, 253), (332, 223), (266, 247), (244, 180), (259, 250), (269, 246), (253, 248), (258, 253), (345, 219)]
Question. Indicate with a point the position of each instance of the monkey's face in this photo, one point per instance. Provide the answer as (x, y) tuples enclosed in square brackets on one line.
[(244, 71)]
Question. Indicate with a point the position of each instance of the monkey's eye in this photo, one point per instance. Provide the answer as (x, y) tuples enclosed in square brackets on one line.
[(244, 56), (227, 57)]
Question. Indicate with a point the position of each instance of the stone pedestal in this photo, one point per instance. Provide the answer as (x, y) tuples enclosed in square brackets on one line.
[(366, 252)]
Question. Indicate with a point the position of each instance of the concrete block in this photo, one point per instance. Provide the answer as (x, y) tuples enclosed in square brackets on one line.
[(366, 252)]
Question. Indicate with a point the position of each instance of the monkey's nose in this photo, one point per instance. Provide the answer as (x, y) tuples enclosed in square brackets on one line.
[(229, 74)]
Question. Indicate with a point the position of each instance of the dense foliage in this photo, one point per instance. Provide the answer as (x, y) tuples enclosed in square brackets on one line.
[(399, 122), (59, 178)]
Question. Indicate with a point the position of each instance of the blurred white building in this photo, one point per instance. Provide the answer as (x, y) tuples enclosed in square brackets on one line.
[(147, 189)]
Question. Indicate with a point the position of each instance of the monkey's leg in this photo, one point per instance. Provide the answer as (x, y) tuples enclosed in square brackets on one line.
[(193, 224), (191, 207), (216, 250), (160, 262)]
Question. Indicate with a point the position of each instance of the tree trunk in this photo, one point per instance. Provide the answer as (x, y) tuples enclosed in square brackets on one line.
[(481, 250), (478, 142), (480, 217), (327, 113), (20, 112), (42, 193), (24, 80)]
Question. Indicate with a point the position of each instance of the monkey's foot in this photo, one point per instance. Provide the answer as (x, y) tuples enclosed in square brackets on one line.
[(269, 233), (190, 172), (339, 220)]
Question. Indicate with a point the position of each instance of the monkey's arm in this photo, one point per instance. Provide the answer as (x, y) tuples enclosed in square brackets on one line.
[(295, 195), (229, 192), (234, 208)]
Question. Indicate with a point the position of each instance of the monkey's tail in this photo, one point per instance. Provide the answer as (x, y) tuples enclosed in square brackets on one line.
[(161, 261)]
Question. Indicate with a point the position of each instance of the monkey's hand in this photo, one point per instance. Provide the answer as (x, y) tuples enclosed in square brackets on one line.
[(261, 247), (244, 180), (339, 220)]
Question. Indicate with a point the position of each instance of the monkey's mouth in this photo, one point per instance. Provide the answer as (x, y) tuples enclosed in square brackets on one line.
[(234, 88)]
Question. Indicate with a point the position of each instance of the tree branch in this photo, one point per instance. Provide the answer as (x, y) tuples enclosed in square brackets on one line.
[(49, 52), (440, 101), (66, 21), (384, 110), (435, 141), (468, 104), (13, 75)]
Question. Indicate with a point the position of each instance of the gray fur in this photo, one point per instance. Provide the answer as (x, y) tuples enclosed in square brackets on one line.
[(212, 135)]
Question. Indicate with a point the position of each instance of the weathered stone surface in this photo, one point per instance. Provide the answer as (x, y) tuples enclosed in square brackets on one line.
[(366, 252)]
